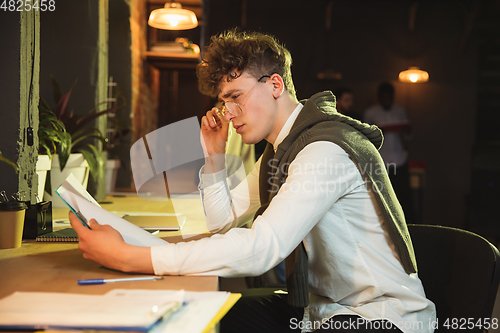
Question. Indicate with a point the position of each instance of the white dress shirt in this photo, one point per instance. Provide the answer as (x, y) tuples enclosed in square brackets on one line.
[(353, 268)]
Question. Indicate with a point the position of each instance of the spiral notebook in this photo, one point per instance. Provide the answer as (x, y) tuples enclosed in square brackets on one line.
[(70, 235), (63, 235)]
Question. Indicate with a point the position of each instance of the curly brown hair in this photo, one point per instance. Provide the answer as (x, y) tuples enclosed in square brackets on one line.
[(236, 51)]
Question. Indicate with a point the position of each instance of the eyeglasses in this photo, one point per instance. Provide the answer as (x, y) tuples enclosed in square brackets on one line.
[(229, 109)]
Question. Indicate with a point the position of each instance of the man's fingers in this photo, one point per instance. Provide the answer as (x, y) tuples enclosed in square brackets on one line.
[(93, 224), (206, 123), (78, 225), (224, 130), (75, 222)]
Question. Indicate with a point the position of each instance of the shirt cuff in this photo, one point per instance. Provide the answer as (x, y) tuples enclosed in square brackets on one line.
[(163, 260), (209, 179)]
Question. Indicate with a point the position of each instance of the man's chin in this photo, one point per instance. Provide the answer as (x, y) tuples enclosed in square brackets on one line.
[(249, 141)]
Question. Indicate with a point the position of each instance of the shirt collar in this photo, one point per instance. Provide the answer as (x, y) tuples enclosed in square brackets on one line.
[(287, 127)]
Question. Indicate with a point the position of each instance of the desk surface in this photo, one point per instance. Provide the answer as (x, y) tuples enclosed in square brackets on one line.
[(56, 267)]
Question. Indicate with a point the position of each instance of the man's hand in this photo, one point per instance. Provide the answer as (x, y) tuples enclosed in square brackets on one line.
[(213, 139), (104, 245)]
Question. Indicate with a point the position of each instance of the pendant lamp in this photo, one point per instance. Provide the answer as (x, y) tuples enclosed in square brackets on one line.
[(173, 17), (413, 75)]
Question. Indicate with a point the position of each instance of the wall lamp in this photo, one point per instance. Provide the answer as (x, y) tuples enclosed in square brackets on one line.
[(413, 75)]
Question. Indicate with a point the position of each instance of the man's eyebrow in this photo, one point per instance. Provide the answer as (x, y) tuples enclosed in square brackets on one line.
[(229, 93)]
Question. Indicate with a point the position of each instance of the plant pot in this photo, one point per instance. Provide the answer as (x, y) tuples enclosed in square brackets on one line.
[(112, 167), (76, 165), (43, 165)]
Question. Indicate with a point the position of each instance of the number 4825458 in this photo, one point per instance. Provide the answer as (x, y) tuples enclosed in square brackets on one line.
[(28, 5)]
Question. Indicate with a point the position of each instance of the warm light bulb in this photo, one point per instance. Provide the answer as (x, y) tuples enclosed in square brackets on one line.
[(174, 21), (413, 74)]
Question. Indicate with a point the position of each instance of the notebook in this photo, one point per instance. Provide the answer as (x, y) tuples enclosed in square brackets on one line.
[(63, 235), (70, 235)]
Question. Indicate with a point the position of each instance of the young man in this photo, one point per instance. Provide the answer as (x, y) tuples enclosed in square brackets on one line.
[(322, 202)]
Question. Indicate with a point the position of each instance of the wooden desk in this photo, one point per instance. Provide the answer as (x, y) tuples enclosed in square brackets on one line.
[(56, 267)]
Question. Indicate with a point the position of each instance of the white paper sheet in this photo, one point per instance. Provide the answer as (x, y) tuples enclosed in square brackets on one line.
[(88, 207), (200, 305)]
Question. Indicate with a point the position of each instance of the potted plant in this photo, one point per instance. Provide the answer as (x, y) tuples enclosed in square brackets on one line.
[(52, 136), (76, 153)]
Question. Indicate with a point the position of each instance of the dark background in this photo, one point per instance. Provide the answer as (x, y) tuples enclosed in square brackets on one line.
[(454, 115)]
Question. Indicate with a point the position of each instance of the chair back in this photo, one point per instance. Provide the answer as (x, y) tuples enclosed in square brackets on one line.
[(460, 272)]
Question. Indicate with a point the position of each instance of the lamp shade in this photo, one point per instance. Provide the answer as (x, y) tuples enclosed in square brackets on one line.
[(413, 75), (172, 17)]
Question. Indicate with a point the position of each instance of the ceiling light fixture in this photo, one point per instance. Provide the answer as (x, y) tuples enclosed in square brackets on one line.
[(173, 17), (413, 75)]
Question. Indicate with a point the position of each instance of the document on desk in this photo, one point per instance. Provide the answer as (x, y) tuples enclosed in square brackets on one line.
[(122, 311), (202, 310), (83, 204), (155, 311)]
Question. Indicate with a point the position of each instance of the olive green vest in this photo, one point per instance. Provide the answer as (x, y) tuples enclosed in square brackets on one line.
[(319, 121)]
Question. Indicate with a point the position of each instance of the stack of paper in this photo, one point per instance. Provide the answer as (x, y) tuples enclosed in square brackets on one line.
[(201, 312), (114, 311), (156, 311)]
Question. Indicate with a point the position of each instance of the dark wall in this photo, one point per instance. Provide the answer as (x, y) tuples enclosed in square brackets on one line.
[(370, 42), (68, 51), (120, 68), (10, 37)]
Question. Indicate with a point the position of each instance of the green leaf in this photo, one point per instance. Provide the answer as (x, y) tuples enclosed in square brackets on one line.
[(99, 137), (92, 132), (86, 119), (85, 131), (9, 162), (64, 150), (47, 150)]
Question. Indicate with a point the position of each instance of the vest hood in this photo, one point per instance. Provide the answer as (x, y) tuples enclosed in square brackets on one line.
[(322, 106)]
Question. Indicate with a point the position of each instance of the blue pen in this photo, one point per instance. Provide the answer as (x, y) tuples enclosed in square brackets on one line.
[(103, 281)]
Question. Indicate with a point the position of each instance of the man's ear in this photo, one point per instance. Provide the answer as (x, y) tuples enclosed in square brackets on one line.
[(278, 85)]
